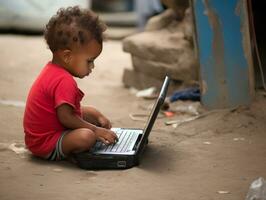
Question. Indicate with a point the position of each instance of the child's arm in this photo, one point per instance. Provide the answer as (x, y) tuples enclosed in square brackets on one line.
[(69, 120), (92, 115)]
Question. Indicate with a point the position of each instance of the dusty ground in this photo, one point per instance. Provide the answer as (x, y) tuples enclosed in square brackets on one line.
[(223, 151)]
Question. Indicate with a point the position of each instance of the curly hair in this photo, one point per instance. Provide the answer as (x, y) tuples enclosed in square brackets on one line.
[(73, 25)]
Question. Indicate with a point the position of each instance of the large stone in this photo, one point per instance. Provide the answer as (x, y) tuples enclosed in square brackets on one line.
[(167, 20), (160, 21), (161, 46), (142, 81), (184, 69), (187, 25), (178, 6), (165, 48), (160, 43)]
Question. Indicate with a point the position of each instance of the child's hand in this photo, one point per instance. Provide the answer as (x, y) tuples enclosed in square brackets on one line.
[(106, 136), (104, 122)]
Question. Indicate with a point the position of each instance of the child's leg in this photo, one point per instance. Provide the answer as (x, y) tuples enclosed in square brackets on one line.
[(78, 140)]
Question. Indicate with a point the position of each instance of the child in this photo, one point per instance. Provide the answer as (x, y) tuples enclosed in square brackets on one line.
[(55, 124)]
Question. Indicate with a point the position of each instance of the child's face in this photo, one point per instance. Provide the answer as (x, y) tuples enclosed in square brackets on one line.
[(82, 58)]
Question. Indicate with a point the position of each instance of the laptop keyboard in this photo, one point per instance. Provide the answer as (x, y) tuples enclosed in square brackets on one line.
[(126, 142)]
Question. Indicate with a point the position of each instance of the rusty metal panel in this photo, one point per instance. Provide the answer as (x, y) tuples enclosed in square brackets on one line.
[(224, 52)]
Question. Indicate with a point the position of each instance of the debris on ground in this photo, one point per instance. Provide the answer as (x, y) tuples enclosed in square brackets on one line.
[(238, 139), (18, 148), (190, 108), (138, 117), (14, 103), (207, 142), (192, 94), (169, 113), (133, 90), (142, 117), (257, 190), (149, 93), (223, 192), (176, 123), (57, 170)]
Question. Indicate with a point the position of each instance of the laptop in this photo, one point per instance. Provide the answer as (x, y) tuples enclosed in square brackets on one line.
[(125, 153)]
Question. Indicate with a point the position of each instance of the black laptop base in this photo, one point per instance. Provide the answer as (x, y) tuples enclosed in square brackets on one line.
[(90, 161)]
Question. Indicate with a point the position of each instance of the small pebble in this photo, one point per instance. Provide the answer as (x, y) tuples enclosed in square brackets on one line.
[(57, 170), (206, 143), (223, 192)]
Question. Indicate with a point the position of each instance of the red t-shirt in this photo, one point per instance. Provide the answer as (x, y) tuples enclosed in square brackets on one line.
[(53, 87)]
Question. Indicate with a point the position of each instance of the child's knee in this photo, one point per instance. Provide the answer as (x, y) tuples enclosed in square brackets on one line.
[(87, 138)]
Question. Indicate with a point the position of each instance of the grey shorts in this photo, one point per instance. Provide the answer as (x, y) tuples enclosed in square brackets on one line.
[(57, 153)]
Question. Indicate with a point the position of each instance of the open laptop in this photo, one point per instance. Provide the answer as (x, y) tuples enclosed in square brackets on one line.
[(127, 151)]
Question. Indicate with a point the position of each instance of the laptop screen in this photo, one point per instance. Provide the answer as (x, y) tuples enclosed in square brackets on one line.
[(154, 113)]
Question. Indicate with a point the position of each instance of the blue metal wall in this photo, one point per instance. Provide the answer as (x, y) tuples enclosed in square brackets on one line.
[(224, 52)]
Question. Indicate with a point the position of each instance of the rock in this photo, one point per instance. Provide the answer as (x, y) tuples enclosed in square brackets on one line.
[(165, 48), (160, 21), (187, 25), (183, 69), (141, 81), (157, 46), (178, 6)]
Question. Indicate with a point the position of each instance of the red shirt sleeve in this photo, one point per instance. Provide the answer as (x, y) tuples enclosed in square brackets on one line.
[(66, 91)]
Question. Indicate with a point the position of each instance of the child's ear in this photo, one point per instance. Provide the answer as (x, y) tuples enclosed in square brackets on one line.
[(66, 55)]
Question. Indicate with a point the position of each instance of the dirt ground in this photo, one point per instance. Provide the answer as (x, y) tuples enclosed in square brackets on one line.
[(223, 151)]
